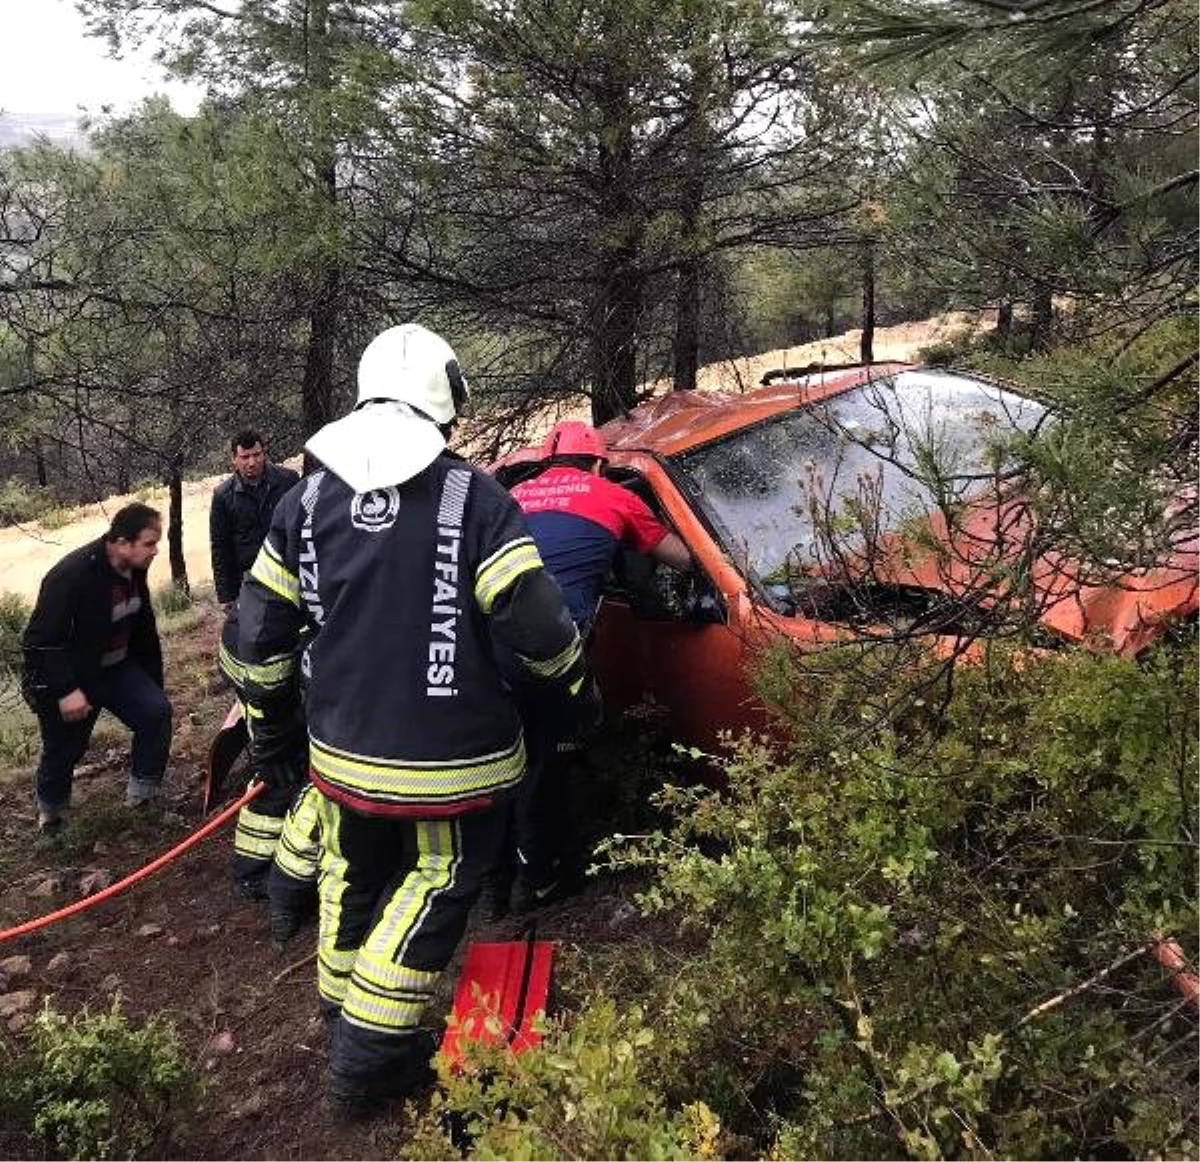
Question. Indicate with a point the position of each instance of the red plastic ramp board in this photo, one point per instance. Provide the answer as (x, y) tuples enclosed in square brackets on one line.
[(502, 989)]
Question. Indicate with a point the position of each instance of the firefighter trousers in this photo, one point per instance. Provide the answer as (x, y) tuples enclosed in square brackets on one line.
[(260, 823), (395, 895), (293, 877)]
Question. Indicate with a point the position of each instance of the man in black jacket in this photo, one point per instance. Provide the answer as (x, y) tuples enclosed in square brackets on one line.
[(92, 645), (241, 512)]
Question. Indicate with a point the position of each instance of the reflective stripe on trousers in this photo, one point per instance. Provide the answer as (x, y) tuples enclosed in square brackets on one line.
[(395, 897)]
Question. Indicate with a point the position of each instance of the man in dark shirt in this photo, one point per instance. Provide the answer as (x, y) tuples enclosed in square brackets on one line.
[(241, 512), (92, 645)]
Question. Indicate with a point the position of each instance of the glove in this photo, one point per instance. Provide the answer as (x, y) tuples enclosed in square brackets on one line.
[(588, 707), (282, 774), (277, 738)]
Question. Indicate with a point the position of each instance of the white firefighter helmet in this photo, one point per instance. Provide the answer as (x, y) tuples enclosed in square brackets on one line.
[(407, 377), (413, 365)]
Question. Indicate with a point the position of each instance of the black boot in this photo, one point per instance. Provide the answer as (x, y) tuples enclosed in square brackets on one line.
[(364, 1096)]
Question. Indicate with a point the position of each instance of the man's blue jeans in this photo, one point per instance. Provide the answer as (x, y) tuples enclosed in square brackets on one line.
[(128, 692)]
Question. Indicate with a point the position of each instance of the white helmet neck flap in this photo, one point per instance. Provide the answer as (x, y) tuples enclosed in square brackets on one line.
[(409, 384), (412, 365)]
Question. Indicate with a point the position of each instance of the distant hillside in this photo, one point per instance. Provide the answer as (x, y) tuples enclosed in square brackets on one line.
[(17, 129)]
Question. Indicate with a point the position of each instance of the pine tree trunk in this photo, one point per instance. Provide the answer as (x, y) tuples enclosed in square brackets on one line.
[(618, 301), (1041, 320), (324, 311), (179, 577), (867, 344), (317, 389), (614, 348), (687, 326)]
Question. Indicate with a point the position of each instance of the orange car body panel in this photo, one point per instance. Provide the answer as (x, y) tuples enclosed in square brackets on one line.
[(699, 672)]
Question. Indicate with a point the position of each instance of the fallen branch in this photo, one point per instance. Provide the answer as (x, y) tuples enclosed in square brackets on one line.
[(1091, 982), (292, 967)]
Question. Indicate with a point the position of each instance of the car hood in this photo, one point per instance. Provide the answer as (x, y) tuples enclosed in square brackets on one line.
[(1114, 606)]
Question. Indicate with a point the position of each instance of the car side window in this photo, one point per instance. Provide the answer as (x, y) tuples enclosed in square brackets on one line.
[(653, 590)]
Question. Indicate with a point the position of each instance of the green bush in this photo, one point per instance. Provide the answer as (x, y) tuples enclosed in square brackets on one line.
[(171, 599), (886, 910), (14, 616), (96, 1087), (20, 504), (587, 1092), (56, 517)]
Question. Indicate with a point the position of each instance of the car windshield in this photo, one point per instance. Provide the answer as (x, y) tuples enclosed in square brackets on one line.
[(888, 452)]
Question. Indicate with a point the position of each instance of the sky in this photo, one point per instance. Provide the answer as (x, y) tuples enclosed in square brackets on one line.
[(48, 65)]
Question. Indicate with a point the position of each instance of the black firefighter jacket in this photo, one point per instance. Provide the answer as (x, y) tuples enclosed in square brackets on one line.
[(411, 593), (237, 523), (71, 624)]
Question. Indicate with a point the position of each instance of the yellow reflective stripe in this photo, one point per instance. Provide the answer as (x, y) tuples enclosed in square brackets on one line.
[(260, 820), (555, 666), (385, 994), (231, 667), (299, 848), (256, 835), (334, 964), (502, 568), (383, 1014), (273, 672), (426, 782), (270, 571), (333, 973)]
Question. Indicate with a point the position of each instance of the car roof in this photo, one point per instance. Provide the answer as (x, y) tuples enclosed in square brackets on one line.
[(682, 420)]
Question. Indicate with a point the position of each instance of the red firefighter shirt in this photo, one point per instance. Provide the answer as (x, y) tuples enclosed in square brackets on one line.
[(578, 520)]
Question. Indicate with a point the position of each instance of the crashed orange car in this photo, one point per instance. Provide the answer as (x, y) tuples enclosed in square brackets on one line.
[(863, 502)]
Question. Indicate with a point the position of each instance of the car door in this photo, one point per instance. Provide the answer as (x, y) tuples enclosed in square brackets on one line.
[(681, 642)]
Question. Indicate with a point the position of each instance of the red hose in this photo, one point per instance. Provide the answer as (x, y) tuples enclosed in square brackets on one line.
[(120, 886), (1170, 955)]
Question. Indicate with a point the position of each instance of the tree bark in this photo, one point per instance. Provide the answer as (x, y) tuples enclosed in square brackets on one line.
[(324, 312), (1041, 319), (687, 325), (1004, 320), (867, 344), (688, 286), (618, 300), (317, 390), (179, 577)]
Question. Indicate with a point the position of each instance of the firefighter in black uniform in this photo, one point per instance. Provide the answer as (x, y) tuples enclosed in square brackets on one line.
[(260, 822), (414, 570)]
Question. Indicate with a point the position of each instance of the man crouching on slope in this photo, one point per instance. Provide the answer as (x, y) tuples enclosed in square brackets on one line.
[(413, 569)]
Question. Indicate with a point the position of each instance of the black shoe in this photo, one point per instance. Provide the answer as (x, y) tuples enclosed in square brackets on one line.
[(284, 926), (348, 1110), (528, 894), (363, 1096), (494, 899), (250, 888)]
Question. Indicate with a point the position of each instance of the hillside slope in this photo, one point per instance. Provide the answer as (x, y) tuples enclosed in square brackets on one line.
[(28, 551)]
